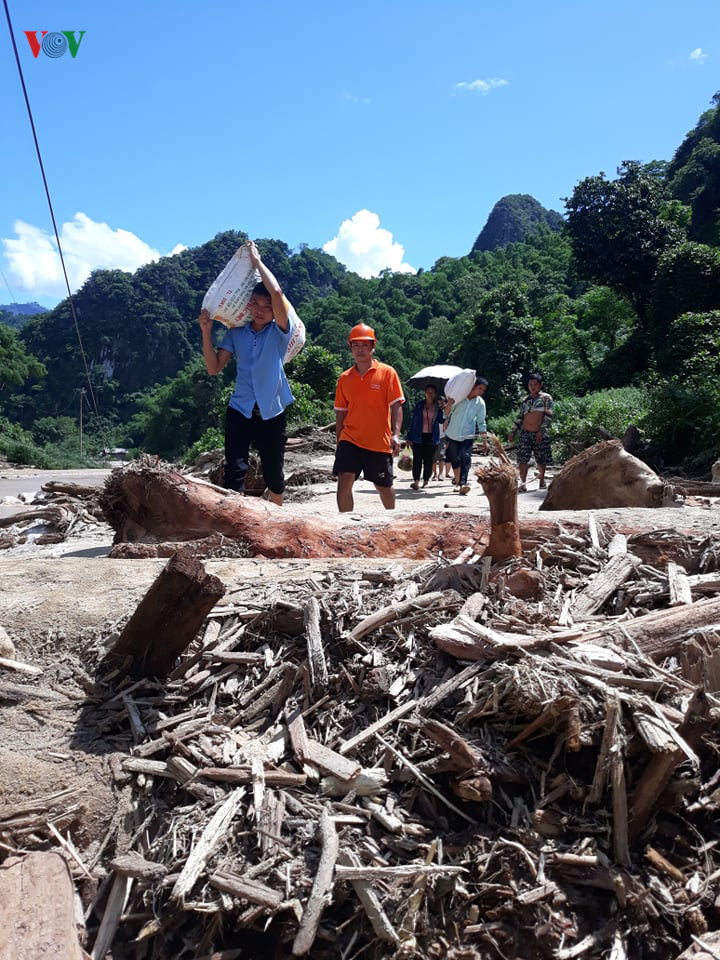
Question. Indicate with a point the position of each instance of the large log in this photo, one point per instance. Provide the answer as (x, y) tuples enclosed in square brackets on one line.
[(149, 501), (37, 905), (657, 635), (166, 620)]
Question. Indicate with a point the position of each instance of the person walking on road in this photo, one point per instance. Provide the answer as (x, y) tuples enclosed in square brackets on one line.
[(466, 417), (368, 419), (256, 413), (534, 421), (424, 436)]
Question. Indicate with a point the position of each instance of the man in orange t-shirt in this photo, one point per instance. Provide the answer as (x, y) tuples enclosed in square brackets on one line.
[(368, 418)]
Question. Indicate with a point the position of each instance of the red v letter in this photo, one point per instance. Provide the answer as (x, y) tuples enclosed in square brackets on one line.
[(33, 40)]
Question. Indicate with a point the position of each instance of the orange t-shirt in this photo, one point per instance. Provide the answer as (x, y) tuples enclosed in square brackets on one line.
[(367, 400)]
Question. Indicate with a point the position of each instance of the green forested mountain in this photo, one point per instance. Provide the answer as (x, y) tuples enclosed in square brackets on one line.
[(624, 293), (17, 314), (514, 219), (139, 329)]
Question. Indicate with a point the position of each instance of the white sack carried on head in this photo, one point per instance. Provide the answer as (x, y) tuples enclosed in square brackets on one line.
[(229, 295), (228, 299), (459, 386)]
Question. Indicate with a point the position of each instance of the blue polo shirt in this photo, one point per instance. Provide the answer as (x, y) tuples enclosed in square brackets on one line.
[(260, 376)]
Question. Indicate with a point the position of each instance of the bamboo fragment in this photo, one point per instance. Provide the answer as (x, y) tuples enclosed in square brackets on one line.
[(384, 930), (211, 837), (316, 654), (322, 885)]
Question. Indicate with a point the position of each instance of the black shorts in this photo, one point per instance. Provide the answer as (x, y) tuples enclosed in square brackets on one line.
[(374, 466)]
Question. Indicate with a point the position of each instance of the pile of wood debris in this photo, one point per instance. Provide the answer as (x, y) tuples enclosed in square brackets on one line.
[(319, 774), (59, 511)]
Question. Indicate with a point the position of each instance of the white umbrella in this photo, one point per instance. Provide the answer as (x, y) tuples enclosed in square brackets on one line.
[(436, 376)]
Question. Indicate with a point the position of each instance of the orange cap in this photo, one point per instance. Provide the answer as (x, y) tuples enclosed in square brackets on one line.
[(362, 331)]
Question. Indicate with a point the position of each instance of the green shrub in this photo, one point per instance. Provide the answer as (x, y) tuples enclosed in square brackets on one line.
[(26, 453), (684, 420), (580, 422)]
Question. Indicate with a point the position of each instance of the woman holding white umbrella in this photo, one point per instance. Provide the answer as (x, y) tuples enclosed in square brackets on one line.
[(424, 436)]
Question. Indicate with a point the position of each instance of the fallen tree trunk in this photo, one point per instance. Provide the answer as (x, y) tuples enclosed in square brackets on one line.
[(657, 635), (148, 501), (166, 620), (36, 893)]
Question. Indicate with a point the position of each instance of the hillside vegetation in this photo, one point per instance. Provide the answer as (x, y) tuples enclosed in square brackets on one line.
[(621, 299)]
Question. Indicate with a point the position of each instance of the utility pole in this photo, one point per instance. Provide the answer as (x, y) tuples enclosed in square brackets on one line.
[(82, 398)]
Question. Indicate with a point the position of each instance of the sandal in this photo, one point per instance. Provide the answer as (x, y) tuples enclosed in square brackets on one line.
[(414, 485), (522, 488), (541, 485)]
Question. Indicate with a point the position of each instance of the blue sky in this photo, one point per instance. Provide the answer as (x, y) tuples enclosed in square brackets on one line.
[(384, 130)]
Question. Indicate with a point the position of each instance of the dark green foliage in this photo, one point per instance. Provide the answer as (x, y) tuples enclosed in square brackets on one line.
[(581, 338), (619, 230), (16, 364), (684, 419), (172, 416), (500, 341), (514, 219), (55, 430), (687, 279), (693, 346), (694, 176)]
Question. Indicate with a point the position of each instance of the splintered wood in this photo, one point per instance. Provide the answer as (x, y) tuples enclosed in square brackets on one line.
[(323, 773)]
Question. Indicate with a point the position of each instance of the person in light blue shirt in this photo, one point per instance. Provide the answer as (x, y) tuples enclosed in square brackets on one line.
[(256, 413), (466, 418)]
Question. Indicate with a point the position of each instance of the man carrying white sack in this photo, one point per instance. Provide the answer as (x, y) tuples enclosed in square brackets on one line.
[(256, 413), (465, 416)]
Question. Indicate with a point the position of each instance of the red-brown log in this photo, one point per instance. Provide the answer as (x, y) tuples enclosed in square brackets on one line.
[(149, 501)]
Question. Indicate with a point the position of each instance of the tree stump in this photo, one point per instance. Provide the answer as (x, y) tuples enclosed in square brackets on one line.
[(499, 483), (166, 620)]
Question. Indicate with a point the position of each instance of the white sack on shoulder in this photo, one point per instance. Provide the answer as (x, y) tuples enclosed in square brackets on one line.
[(297, 337), (459, 386)]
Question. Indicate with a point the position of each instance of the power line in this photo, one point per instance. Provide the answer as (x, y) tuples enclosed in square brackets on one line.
[(52, 212), (12, 296)]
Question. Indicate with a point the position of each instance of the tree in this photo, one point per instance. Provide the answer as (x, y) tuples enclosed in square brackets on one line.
[(173, 415), (500, 342), (16, 365), (619, 230), (687, 279), (694, 176)]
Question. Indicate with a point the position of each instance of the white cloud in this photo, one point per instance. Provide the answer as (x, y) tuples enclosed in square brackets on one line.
[(367, 248), (698, 56), (34, 265), (352, 98), (482, 86)]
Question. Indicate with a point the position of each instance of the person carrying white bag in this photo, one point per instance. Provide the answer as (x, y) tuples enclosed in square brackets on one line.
[(256, 412)]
